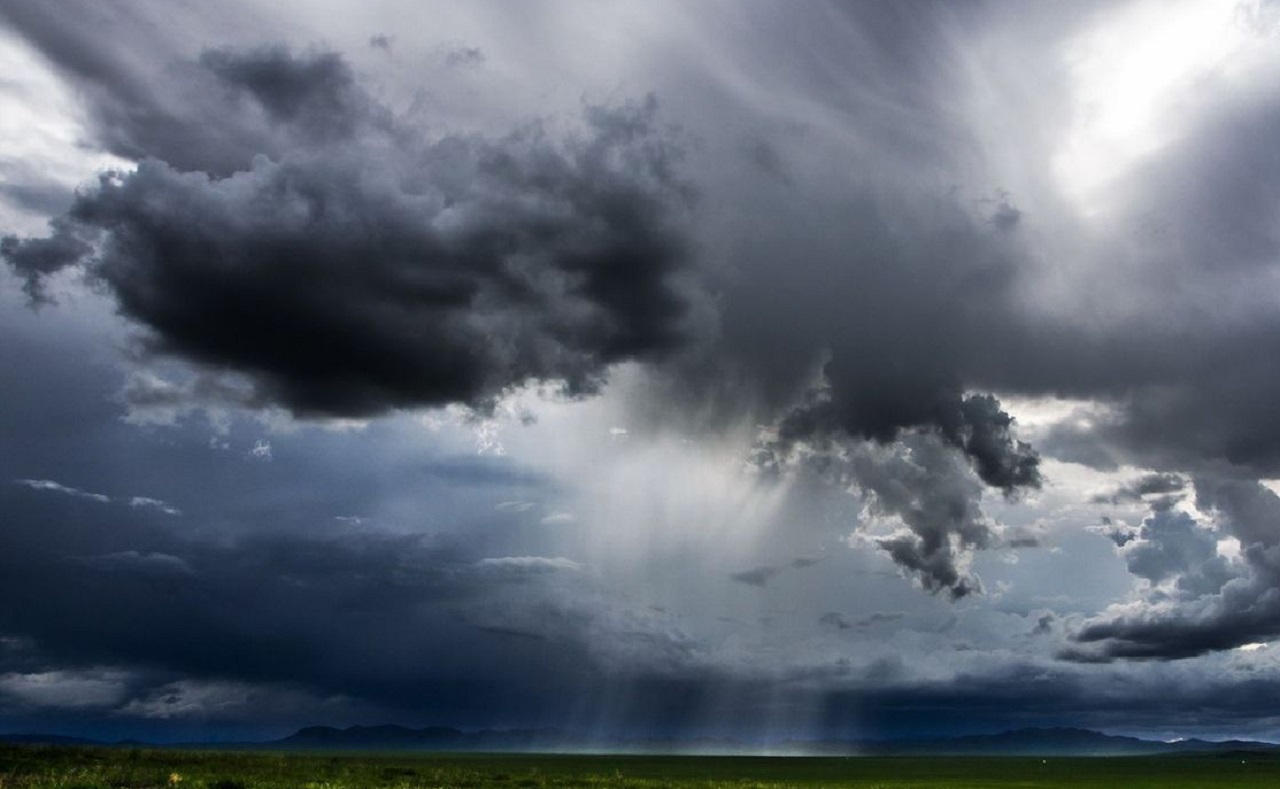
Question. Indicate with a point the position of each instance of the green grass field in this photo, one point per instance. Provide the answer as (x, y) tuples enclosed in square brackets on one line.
[(44, 767)]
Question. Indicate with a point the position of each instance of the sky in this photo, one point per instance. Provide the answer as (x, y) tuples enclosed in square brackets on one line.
[(757, 369)]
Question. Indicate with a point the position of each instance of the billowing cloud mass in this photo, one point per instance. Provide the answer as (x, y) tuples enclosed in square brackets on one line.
[(1198, 600), (436, 271), (646, 371)]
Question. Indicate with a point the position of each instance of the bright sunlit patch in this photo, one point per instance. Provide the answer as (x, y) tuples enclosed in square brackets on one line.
[(1229, 548), (1135, 74), (1254, 647), (41, 131)]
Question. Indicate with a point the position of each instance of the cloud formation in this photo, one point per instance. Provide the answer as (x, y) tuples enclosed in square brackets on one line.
[(357, 266), (928, 479), (1197, 600)]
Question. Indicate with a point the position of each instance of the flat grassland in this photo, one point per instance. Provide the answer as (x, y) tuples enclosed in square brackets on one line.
[(48, 767)]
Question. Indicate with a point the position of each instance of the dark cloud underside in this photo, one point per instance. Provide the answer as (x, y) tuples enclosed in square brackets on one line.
[(367, 268)]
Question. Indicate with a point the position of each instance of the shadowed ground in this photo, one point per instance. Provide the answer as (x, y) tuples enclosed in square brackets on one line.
[(45, 767)]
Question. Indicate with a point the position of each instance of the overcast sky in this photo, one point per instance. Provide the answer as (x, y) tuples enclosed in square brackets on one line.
[(759, 369)]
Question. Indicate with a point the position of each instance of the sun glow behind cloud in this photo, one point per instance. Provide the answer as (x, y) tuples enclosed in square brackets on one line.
[(1137, 75)]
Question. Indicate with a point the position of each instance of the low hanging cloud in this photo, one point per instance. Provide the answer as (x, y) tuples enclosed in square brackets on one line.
[(358, 267)]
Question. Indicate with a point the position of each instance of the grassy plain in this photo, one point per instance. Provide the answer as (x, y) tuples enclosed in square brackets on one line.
[(46, 767)]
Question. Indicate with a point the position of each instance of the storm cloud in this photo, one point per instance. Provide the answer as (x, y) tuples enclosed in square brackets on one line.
[(365, 268), (646, 371)]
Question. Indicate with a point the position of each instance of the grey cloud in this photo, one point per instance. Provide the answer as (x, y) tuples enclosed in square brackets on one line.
[(1184, 356), (437, 272), (1158, 483), (920, 295), (879, 617), (1119, 533), (137, 561), (132, 113), (36, 259), (314, 97), (929, 477), (921, 479), (835, 619), (930, 491), (529, 565), (1044, 625), (254, 611), (838, 620), (74, 689), (1005, 216), (34, 193), (756, 576), (462, 56), (1213, 605), (1171, 545)]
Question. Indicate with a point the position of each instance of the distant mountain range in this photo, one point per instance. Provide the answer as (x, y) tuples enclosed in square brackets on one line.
[(1019, 742)]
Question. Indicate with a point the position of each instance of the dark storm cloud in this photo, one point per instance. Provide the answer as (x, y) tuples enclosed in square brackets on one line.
[(919, 292), (387, 613), (357, 267), (454, 270), (1198, 240), (1205, 603)]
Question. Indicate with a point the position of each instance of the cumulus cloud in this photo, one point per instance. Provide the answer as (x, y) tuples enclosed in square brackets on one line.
[(1197, 600), (436, 271)]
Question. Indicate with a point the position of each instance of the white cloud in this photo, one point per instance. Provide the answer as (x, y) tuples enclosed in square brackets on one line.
[(157, 504), (530, 564), (514, 506), (58, 487)]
